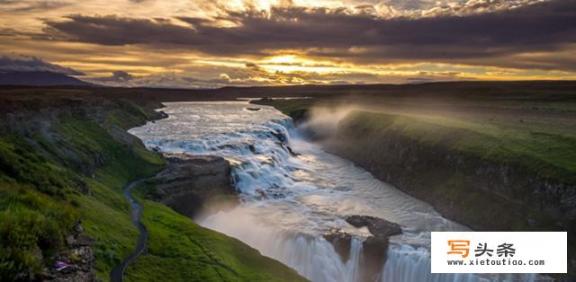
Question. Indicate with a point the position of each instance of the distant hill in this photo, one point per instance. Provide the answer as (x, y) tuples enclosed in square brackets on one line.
[(39, 78)]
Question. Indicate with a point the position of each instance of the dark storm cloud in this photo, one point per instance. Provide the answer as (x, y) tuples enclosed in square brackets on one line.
[(335, 33)]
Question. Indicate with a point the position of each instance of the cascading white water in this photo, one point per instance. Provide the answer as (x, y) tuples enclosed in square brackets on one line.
[(293, 193)]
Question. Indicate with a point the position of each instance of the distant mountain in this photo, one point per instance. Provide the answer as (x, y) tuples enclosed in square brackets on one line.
[(39, 78)]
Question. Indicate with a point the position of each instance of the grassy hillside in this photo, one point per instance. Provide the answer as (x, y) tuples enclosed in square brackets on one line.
[(61, 164), (542, 150), (532, 133), (182, 251), (64, 158), (461, 153), (492, 164)]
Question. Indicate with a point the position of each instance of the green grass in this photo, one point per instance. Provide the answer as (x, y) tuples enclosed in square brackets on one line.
[(75, 169), (544, 146), (546, 153), (32, 226), (19, 161), (180, 250), (535, 139), (35, 210), (106, 219)]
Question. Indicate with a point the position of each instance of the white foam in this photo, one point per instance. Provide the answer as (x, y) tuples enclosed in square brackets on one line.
[(290, 201)]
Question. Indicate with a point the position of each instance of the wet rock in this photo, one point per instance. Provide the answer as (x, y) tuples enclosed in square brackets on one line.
[(159, 115), (375, 247), (189, 183), (377, 226), (341, 241), (373, 257), (294, 154), (280, 136)]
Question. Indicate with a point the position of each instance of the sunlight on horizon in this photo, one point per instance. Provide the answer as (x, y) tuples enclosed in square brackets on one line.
[(267, 42)]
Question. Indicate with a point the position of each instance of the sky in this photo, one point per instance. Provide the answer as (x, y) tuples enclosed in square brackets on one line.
[(214, 43)]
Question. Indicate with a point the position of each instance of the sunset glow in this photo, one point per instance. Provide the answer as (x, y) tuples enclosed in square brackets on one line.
[(267, 42)]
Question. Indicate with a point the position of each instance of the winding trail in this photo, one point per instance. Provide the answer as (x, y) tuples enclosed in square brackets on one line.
[(117, 273)]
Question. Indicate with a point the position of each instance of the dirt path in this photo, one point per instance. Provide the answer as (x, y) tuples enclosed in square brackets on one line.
[(117, 273)]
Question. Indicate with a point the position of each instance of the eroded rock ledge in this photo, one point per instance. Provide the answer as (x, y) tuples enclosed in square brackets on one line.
[(190, 183), (374, 248)]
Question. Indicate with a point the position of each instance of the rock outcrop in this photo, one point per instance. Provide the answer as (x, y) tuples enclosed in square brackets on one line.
[(189, 183), (374, 247), (377, 226), (461, 186), (341, 241), (76, 262)]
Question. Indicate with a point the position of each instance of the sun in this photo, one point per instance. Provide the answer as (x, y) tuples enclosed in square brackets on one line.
[(284, 59), (290, 63)]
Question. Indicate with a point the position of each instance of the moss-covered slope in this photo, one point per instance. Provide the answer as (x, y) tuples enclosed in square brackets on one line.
[(62, 161), (181, 251), (64, 158), (463, 167)]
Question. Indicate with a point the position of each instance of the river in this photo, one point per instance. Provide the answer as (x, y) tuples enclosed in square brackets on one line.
[(292, 193)]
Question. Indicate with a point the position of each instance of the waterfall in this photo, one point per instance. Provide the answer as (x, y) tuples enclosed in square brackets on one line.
[(293, 193), (406, 263), (312, 256)]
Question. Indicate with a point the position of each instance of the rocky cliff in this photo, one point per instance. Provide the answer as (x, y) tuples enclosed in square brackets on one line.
[(479, 175), (478, 192), (462, 186), (190, 183)]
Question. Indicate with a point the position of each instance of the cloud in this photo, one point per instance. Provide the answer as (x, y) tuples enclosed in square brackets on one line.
[(542, 27), (122, 76), (24, 6), (253, 74), (165, 80), (213, 43), (32, 64)]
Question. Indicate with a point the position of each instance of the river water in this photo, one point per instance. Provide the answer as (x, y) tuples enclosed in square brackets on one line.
[(291, 199)]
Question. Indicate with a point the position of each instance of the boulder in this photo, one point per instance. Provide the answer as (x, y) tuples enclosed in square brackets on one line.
[(189, 183), (377, 226)]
